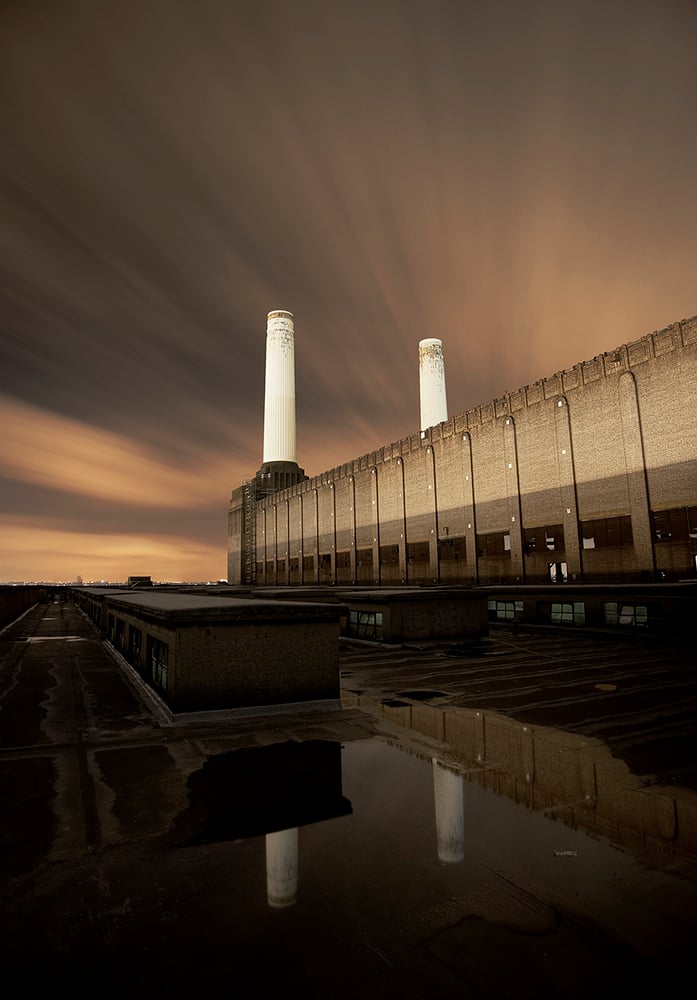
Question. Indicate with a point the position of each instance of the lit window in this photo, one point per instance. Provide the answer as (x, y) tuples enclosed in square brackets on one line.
[(630, 615)]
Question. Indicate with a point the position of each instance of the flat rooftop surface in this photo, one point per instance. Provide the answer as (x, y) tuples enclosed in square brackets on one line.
[(204, 604), (511, 817)]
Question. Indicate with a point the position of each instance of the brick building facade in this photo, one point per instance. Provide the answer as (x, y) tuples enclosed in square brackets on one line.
[(587, 475)]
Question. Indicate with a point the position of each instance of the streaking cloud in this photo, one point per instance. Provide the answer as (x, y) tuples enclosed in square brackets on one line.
[(48, 450)]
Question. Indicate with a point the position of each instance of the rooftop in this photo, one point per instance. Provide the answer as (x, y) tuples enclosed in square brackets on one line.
[(516, 816)]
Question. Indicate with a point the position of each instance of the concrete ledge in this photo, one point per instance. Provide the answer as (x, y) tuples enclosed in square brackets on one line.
[(258, 711)]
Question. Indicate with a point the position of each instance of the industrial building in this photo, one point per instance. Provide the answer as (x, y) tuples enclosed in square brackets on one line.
[(586, 475), (199, 652)]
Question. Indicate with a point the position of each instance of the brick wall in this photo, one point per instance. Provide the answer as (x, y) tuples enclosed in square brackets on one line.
[(610, 438)]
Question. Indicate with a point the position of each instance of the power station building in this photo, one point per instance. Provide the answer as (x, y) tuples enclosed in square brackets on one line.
[(587, 475)]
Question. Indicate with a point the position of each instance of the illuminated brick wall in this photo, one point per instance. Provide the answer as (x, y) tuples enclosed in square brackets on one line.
[(575, 470)]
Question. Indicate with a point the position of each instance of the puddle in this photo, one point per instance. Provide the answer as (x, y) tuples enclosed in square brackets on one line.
[(373, 869), (410, 827), (276, 787), (456, 882)]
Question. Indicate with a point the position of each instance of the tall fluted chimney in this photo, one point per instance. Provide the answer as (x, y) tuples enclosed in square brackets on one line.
[(434, 403), (279, 465), (279, 468), (279, 395)]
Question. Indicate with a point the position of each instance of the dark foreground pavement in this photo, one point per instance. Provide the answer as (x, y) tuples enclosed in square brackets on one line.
[(513, 818)]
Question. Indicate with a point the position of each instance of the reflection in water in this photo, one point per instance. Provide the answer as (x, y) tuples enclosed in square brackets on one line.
[(278, 789), (571, 777), (532, 909), (282, 867), (269, 791), (448, 789), (259, 790)]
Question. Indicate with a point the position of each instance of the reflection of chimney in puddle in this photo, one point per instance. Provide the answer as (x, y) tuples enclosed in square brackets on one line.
[(450, 813), (282, 867)]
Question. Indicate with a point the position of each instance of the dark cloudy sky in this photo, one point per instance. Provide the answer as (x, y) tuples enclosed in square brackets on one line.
[(516, 178)]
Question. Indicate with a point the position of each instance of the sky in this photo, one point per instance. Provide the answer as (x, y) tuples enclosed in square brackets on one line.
[(515, 178)]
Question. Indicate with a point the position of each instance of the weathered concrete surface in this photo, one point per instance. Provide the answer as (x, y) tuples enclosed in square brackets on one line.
[(636, 693), (132, 851)]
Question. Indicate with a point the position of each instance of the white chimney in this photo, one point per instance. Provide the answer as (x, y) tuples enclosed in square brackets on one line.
[(279, 395), (448, 794), (282, 867), (434, 404)]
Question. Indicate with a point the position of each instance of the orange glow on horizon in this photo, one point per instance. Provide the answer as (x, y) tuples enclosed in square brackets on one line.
[(63, 556)]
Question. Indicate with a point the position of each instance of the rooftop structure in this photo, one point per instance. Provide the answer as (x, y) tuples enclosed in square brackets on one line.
[(199, 652)]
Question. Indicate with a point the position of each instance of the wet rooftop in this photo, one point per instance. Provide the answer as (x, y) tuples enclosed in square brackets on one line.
[(510, 817), (204, 605)]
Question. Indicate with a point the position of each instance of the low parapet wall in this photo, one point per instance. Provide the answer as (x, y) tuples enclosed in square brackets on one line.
[(15, 600)]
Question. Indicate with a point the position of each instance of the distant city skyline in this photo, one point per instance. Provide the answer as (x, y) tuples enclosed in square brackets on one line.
[(516, 180)]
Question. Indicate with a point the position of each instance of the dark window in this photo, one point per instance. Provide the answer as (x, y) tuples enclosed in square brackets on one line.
[(343, 560), (497, 544), (692, 522), (451, 548), (417, 552), (389, 555), (158, 657), (674, 525), (119, 634), (308, 564), (607, 532), (546, 538), (135, 638)]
